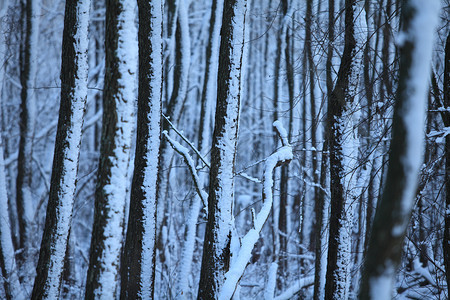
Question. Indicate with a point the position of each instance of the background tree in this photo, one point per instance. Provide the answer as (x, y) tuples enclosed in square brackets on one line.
[(394, 210)]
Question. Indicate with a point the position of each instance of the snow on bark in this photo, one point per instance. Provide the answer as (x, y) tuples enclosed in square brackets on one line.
[(119, 106), (210, 80), (216, 250), (269, 289), (344, 115), (237, 267), (138, 262), (8, 264), (74, 76), (394, 210)]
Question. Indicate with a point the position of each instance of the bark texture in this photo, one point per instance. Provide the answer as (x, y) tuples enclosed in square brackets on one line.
[(216, 248), (74, 75), (138, 261)]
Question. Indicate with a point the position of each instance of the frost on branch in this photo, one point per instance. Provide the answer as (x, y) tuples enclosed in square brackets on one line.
[(237, 268)]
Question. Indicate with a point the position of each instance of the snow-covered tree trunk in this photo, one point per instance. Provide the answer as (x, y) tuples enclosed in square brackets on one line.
[(343, 147), (74, 75), (446, 240), (8, 265), (118, 111), (216, 249), (204, 140), (405, 158), (138, 261), (28, 65)]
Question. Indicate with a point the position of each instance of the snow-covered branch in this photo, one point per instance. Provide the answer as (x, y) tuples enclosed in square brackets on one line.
[(295, 288), (281, 156), (184, 152), (186, 140)]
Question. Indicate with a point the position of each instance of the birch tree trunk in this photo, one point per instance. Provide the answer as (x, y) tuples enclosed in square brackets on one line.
[(405, 157), (216, 249), (74, 76), (138, 261), (118, 110)]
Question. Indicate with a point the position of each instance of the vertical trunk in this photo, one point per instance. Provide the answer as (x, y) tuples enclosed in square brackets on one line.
[(394, 210), (99, 27), (342, 156), (182, 49), (28, 64), (118, 109), (74, 75), (138, 262), (280, 244), (204, 140), (311, 68), (8, 265), (321, 213), (7, 260), (446, 241), (216, 250)]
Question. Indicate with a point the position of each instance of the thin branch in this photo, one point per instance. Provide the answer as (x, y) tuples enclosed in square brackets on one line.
[(184, 152), (187, 141)]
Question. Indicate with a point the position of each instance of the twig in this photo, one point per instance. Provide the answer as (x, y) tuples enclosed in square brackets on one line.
[(184, 152)]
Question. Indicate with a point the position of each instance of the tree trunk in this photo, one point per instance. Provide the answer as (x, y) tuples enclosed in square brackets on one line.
[(204, 140), (320, 205), (138, 261), (446, 241), (118, 109), (28, 64), (394, 210), (8, 266), (74, 76), (216, 249), (342, 156)]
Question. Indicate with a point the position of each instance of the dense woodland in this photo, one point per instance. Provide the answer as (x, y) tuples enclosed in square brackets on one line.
[(224, 149)]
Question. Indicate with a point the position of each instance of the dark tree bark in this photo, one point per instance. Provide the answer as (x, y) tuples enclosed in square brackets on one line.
[(338, 104), (138, 261), (110, 192), (216, 249), (394, 209), (28, 57), (74, 75), (446, 241)]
